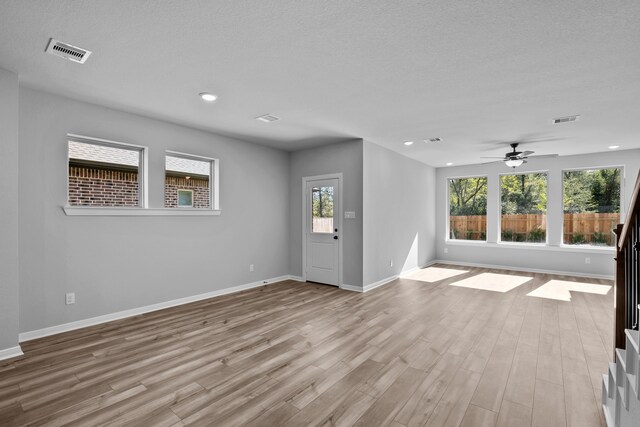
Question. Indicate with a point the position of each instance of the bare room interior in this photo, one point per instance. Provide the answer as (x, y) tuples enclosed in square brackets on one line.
[(350, 213)]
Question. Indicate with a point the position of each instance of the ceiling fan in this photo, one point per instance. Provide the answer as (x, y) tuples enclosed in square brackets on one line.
[(515, 158)]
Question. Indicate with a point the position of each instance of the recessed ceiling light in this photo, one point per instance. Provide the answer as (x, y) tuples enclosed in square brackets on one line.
[(613, 147), (566, 119), (209, 97), (449, 164), (267, 118), (407, 143)]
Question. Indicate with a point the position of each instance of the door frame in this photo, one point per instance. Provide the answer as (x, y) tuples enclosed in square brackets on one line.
[(305, 180)]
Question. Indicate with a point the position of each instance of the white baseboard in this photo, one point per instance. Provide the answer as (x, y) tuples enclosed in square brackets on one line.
[(351, 288), (370, 286), (384, 281), (411, 270), (9, 353), (527, 270), (379, 283), (296, 278), (52, 330)]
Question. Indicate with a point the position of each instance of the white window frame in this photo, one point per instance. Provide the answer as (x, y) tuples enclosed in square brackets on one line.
[(546, 234), (143, 209), (591, 247), (143, 198), (214, 181), (448, 239)]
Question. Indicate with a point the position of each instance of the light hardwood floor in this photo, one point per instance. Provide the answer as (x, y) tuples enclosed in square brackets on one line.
[(410, 353)]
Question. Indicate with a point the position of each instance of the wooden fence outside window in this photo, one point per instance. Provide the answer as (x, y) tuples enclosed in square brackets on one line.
[(579, 228)]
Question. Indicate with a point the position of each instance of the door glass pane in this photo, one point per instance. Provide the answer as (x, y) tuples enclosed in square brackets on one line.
[(322, 209)]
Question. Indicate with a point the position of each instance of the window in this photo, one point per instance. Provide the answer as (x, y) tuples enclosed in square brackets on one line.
[(523, 208), (468, 208), (322, 209), (102, 173), (188, 181), (591, 206), (185, 198)]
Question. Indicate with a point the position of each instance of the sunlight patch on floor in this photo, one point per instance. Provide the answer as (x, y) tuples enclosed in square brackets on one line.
[(433, 274), (561, 290), (493, 282)]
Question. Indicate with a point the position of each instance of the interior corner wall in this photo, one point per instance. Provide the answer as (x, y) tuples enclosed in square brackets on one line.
[(119, 263), (399, 213), (9, 306), (345, 158), (554, 257)]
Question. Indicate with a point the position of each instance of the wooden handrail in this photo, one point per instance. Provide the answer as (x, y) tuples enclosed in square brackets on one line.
[(627, 281), (619, 297), (633, 207)]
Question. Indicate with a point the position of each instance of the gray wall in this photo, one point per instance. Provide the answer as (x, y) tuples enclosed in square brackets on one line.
[(118, 263), (8, 210), (345, 157), (399, 213), (554, 257)]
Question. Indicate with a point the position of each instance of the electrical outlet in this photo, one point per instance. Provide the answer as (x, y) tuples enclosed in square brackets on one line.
[(70, 298), (251, 267), (587, 260), (446, 250)]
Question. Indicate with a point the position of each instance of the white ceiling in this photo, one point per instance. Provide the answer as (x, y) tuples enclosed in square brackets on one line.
[(478, 74)]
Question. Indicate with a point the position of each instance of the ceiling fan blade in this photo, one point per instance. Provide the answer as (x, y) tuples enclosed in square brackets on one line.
[(491, 157), (526, 153), (524, 139), (545, 155)]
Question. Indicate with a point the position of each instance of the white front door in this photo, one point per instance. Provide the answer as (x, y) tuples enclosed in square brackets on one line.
[(322, 233)]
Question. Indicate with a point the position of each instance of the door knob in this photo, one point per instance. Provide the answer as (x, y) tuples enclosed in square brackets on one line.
[(335, 237)]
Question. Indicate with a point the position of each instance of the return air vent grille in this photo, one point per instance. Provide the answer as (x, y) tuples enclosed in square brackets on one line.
[(67, 51), (268, 118), (433, 140), (566, 119)]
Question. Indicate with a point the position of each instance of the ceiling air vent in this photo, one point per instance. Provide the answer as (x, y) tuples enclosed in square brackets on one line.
[(566, 119), (433, 140), (267, 118), (67, 51)]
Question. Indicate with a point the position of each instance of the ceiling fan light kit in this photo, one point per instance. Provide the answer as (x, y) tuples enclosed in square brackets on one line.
[(514, 158), (514, 163)]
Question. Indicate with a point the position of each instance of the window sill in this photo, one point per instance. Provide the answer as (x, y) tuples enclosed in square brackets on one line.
[(108, 211), (533, 246), (466, 242)]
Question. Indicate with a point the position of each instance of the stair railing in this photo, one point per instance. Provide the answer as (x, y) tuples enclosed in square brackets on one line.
[(627, 282)]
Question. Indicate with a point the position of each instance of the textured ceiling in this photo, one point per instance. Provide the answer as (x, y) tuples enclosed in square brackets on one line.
[(478, 74)]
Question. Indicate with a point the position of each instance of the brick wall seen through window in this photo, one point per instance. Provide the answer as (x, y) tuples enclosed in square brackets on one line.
[(103, 174)]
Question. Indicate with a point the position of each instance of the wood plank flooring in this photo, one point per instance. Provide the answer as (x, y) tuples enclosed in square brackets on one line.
[(410, 353)]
